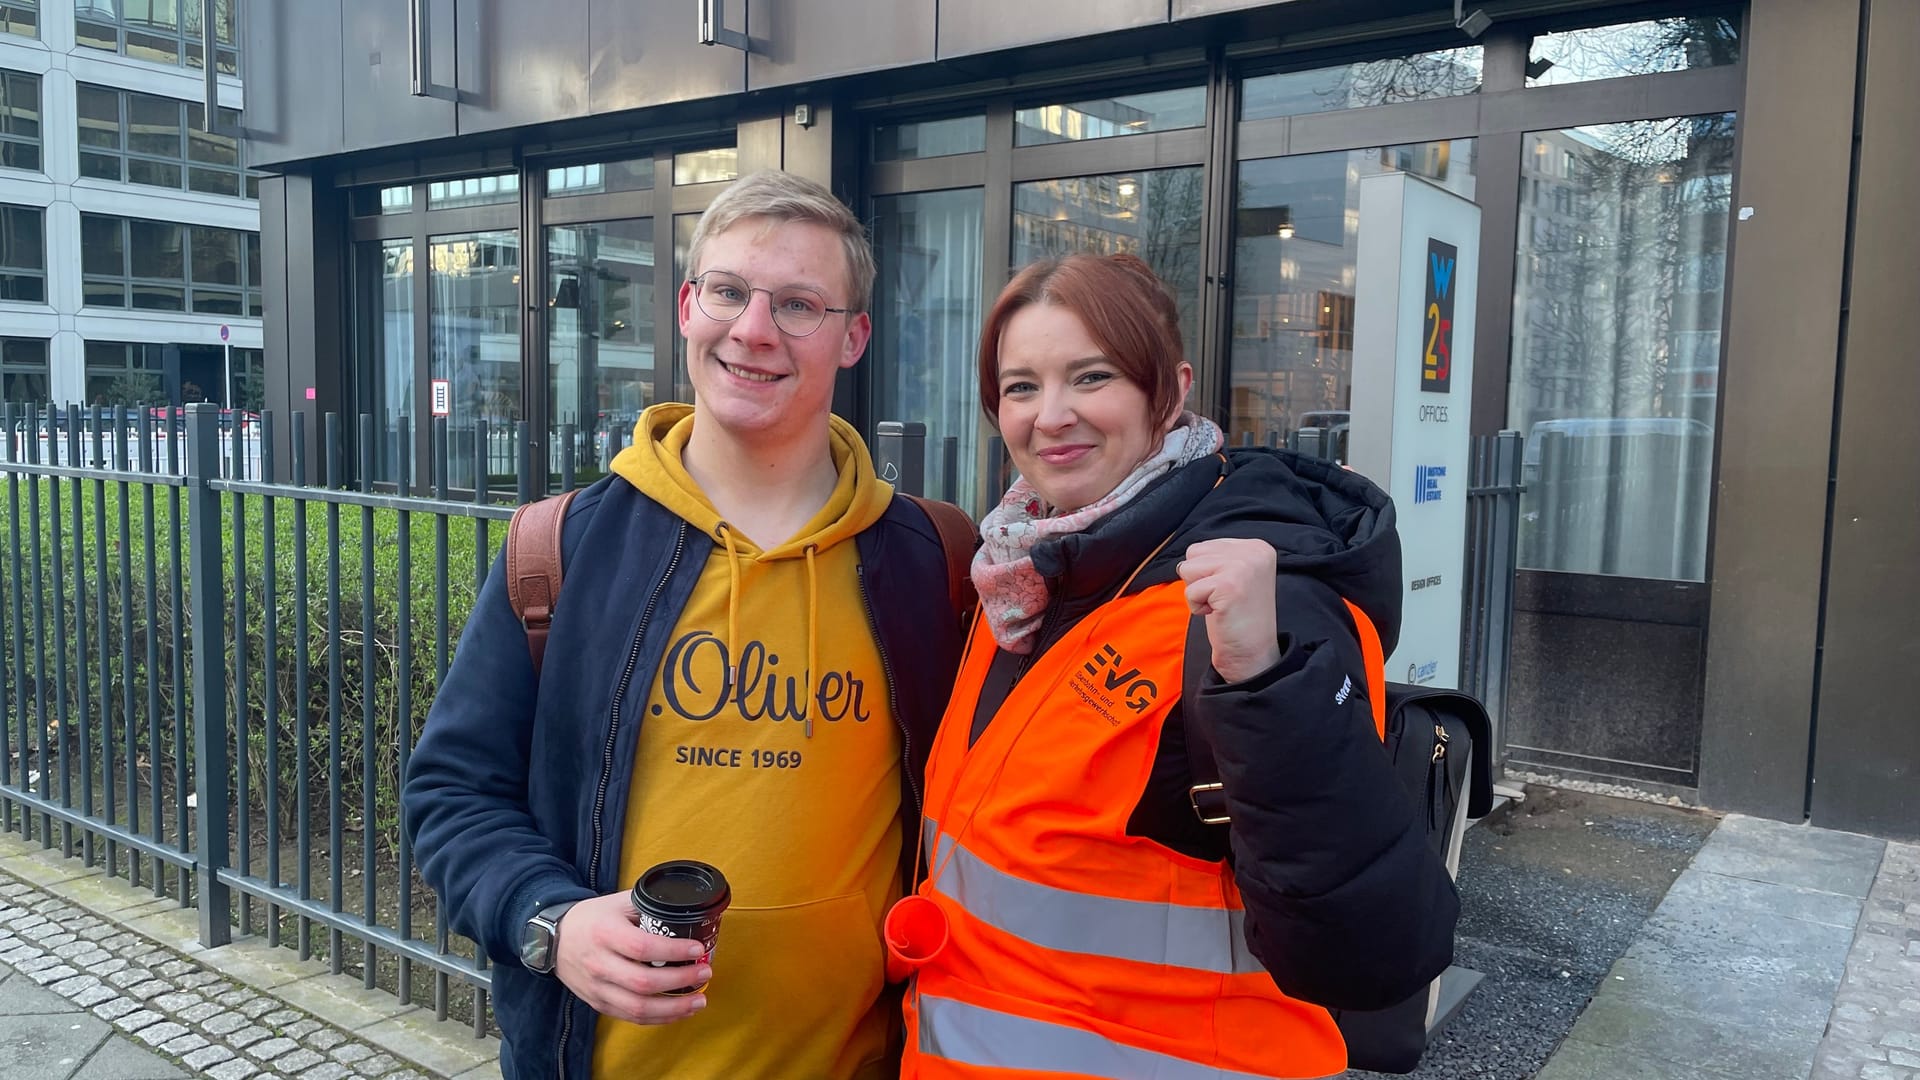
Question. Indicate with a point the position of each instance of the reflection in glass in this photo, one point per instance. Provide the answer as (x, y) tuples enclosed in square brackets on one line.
[(598, 177), (683, 226), (99, 116), (1296, 239), (1105, 118), (1155, 215), (475, 311), (158, 249), (153, 125), (103, 245), (386, 333), (1637, 48), (1420, 77), (927, 313), (1618, 285), (599, 337), (22, 254), (706, 166), (468, 191), (23, 370), (930, 138)]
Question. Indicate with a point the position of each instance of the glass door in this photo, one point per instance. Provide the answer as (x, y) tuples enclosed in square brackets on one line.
[(475, 350), (1296, 238), (600, 337)]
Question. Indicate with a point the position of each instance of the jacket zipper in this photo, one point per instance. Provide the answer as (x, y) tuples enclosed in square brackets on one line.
[(606, 767), (893, 702), (1438, 762)]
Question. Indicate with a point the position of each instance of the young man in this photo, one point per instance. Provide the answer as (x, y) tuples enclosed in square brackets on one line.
[(742, 669)]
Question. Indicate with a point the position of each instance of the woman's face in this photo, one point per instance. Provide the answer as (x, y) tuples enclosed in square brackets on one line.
[(1073, 424)]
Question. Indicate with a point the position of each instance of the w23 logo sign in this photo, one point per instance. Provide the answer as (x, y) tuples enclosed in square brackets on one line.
[(1436, 363)]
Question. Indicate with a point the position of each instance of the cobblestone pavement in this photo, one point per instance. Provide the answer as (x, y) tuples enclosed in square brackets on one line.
[(1874, 1033), (82, 998)]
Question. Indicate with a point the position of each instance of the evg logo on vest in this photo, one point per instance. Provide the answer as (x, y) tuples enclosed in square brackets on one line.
[(1104, 675)]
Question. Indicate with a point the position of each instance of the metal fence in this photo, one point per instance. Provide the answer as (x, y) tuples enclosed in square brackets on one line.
[(212, 681), (1494, 488)]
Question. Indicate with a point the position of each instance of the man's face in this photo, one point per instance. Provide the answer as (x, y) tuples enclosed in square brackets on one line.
[(751, 378)]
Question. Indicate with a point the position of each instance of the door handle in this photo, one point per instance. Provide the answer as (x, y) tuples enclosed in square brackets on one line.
[(419, 48)]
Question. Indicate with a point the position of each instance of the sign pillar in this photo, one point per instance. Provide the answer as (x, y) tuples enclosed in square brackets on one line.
[(1418, 270)]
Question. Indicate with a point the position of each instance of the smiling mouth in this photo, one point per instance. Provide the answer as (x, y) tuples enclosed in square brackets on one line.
[(750, 376), (1064, 455)]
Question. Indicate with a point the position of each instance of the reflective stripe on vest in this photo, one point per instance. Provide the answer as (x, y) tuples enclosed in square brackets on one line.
[(1206, 939), (987, 1038)]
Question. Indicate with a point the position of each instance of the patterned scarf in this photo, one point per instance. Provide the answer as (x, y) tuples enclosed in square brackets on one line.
[(1013, 594)]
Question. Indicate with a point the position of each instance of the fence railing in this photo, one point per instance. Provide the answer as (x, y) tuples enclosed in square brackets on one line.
[(212, 681), (1494, 488)]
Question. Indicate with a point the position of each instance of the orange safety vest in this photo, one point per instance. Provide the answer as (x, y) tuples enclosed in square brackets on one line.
[(1074, 950)]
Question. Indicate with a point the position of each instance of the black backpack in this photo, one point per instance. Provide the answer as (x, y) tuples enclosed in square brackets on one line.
[(1439, 742)]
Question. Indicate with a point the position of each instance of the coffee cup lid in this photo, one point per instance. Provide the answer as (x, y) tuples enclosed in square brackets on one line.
[(682, 887)]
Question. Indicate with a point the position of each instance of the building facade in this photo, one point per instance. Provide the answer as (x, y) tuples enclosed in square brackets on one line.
[(129, 224), (482, 211)]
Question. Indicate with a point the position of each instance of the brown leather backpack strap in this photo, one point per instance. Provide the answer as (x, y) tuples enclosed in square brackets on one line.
[(533, 568), (958, 538)]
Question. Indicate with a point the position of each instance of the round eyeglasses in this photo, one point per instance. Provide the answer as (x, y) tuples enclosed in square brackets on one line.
[(797, 310)]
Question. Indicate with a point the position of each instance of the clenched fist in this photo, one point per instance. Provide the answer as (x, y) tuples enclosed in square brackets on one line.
[(1231, 583)]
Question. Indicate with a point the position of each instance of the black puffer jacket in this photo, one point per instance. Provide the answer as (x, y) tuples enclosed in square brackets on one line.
[(1347, 906)]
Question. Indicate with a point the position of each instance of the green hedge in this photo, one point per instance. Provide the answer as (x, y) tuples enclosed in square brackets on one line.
[(361, 718)]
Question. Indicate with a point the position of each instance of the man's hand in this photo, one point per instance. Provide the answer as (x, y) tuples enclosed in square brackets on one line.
[(1231, 583), (607, 961)]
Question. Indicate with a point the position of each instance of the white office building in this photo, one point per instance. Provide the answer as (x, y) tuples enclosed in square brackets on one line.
[(129, 232)]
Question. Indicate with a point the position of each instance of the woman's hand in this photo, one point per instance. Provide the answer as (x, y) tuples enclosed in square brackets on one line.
[(1231, 583)]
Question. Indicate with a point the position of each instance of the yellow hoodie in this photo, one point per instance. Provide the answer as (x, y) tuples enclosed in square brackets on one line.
[(768, 749)]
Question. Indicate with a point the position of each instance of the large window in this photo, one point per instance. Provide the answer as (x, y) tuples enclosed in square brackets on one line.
[(126, 373), (168, 266), (1618, 290), (23, 254), (142, 139), (20, 17), (19, 120), (600, 334), (1447, 73), (163, 31), (1154, 214), (926, 325), (1296, 242), (1648, 47), (23, 370)]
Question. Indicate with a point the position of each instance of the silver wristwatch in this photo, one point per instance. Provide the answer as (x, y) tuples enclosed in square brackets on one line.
[(540, 941)]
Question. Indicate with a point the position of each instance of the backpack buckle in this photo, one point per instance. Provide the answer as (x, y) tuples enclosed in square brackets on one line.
[(1209, 803)]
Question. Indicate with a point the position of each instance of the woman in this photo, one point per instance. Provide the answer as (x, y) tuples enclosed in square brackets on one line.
[(1085, 912)]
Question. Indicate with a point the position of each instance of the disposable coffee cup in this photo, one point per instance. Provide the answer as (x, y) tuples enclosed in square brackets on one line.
[(682, 899)]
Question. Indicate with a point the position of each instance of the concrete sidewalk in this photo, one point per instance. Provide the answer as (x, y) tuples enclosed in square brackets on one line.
[(1783, 952), (1779, 951), (101, 981)]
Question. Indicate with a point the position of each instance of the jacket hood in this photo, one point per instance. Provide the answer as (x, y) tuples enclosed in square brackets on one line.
[(653, 464), (1322, 520)]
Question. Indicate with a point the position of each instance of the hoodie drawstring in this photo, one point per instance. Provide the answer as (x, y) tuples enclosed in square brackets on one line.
[(733, 591), (812, 677)]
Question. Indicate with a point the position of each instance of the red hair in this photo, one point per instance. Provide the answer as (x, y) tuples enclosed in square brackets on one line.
[(1126, 309)]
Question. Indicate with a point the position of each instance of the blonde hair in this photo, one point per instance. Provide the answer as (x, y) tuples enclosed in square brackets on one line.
[(781, 197)]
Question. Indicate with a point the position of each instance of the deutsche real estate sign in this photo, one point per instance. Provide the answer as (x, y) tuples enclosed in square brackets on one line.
[(1416, 273)]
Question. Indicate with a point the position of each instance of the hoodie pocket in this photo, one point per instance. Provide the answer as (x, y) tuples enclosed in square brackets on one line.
[(819, 967)]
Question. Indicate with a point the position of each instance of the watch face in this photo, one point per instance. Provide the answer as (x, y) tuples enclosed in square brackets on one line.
[(536, 947)]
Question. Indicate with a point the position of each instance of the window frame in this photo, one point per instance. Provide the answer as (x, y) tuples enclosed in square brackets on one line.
[(188, 43), (10, 270), (248, 291), (246, 181), (8, 77)]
